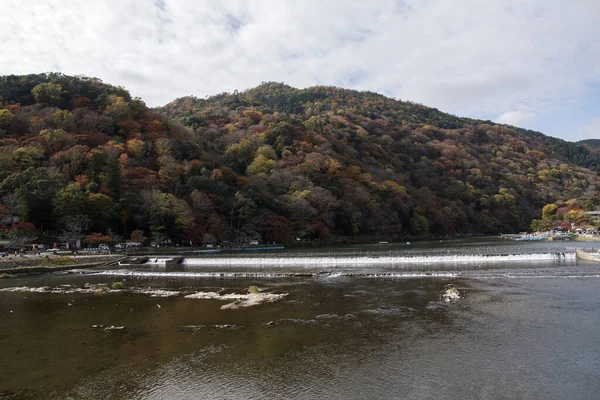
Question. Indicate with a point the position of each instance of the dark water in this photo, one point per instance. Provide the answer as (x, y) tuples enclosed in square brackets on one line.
[(520, 332), (455, 246)]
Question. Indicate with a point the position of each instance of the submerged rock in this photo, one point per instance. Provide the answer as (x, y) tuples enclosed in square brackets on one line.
[(157, 292), (114, 328), (92, 289), (225, 326), (255, 297), (42, 289), (193, 328), (240, 300), (451, 293), (299, 321)]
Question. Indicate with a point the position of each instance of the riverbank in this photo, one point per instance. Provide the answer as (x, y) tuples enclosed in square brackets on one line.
[(587, 238), (37, 264)]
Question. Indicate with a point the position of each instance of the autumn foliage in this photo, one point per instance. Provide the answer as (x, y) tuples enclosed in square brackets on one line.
[(272, 164)]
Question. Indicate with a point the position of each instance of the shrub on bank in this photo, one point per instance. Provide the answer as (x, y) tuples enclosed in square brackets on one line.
[(117, 285)]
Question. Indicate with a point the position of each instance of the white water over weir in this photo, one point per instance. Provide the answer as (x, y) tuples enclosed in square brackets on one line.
[(375, 260)]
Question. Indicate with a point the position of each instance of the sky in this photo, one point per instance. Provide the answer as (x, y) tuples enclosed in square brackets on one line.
[(529, 63)]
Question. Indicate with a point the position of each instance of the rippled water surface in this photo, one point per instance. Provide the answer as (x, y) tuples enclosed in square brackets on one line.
[(521, 331)]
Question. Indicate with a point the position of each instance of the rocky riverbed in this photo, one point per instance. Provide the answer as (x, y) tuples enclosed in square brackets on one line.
[(236, 300), (17, 265)]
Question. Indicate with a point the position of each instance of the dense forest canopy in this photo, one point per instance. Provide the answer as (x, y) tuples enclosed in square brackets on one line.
[(272, 163)]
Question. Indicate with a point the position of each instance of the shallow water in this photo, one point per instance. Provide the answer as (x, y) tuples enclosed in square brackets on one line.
[(521, 331)]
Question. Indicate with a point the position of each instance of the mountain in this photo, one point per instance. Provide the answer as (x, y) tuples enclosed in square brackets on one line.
[(74, 149), (273, 163), (591, 142), (278, 97), (448, 174)]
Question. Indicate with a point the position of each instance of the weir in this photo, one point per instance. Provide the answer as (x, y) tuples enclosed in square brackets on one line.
[(377, 260), (158, 274), (376, 266)]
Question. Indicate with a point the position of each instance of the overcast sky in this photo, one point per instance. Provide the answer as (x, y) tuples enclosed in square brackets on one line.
[(531, 63)]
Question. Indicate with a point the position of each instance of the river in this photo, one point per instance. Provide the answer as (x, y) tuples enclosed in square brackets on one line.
[(523, 329)]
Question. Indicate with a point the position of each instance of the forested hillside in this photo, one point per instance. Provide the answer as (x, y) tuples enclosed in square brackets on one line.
[(591, 142), (273, 163)]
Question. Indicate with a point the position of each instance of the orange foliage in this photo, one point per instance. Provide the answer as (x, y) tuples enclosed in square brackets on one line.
[(195, 167), (82, 180), (129, 127), (243, 181), (13, 108), (124, 160), (137, 236), (97, 238), (79, 102)]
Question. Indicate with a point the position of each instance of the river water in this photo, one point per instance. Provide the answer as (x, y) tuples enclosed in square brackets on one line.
[(524, 329)]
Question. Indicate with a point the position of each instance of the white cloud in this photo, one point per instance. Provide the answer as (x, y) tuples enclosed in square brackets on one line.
[(591, 130), (468, 57), (515, 118)]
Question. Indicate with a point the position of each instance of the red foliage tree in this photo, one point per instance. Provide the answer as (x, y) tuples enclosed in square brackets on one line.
[(97, 238), (277, 229), (195, 232)]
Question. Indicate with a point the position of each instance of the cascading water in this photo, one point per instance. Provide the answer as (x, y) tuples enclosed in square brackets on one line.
[(380, 265), (377, 260)]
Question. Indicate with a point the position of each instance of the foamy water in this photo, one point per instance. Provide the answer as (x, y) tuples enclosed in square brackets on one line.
[(375, 260), (422, 266), (191, 274)]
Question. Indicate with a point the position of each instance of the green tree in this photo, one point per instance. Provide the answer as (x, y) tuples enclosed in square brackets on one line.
[(260, 166), (239, 155), (70, 200), (29, 156), (538, 225), (64, 119), (267, 152), (100, 209), (164, 209), (48, 93), (113, 181), (159, 236), (36, 188), (118, 110), (418, 224), (242, 212), (549, 211), (548, 220), (56, 140), (6, 117)]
